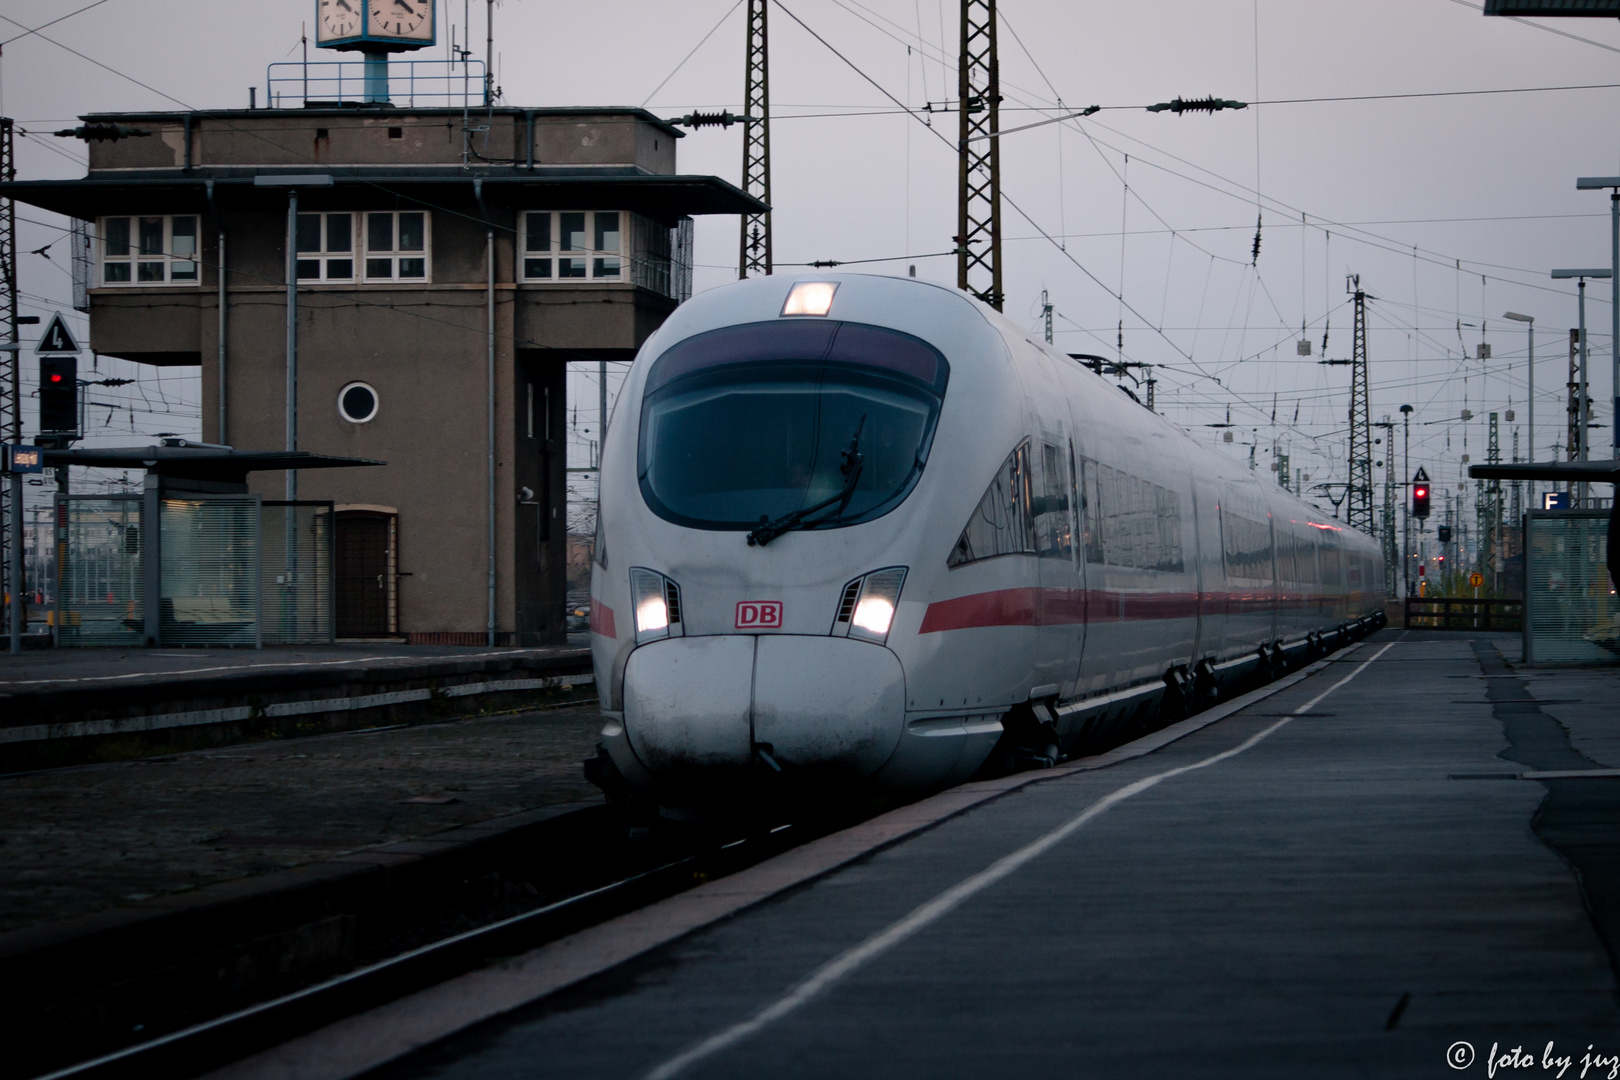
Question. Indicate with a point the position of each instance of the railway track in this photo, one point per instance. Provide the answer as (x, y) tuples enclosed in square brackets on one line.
[(177, 1044)]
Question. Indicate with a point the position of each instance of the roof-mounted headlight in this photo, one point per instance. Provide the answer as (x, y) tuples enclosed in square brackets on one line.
[(810, 298)]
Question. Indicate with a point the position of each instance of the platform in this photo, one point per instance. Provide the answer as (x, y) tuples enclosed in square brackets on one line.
[(67, 706), (1384, 868)]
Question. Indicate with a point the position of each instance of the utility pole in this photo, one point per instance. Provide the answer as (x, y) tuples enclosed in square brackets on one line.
[(1584, 394), (1406, 470), (754, 249), (1572, 437), (1515, 539), (11, 397), (1587, 183), (1046, 313), (1387, 533), (1488, 508), (978, 192)]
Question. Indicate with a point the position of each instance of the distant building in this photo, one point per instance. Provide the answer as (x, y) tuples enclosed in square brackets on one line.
[(412, 224)]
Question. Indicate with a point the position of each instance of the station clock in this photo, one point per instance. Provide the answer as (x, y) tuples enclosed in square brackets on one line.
[(374, 25)]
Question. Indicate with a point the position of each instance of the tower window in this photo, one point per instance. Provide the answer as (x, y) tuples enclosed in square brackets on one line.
[(573, 245), (357, 403), (397, 246), (325, 247), (156, 249)]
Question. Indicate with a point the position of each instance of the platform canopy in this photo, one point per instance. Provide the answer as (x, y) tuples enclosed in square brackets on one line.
[(1592, 9), (1598, 472), (210, 463), (662, 197)]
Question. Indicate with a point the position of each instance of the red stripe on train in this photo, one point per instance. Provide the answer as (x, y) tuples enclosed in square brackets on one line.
[(1055, 607)]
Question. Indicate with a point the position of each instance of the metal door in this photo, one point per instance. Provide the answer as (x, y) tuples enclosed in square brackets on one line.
[(362, 574)]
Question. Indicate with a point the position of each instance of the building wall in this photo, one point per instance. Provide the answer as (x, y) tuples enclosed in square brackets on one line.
[(422, 347)]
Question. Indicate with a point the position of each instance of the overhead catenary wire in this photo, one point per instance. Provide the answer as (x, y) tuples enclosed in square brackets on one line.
[(1061, 236)]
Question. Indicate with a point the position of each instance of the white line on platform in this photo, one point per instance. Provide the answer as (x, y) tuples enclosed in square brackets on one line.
[(956, 895)]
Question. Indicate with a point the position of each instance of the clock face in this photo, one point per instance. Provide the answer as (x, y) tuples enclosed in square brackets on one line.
[(411, 20), (337, 19)]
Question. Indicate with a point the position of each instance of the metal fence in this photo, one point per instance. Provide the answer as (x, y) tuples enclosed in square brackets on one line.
[(1463, 613), (411, 83)]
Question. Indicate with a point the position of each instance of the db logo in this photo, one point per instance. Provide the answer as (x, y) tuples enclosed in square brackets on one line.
[(759, 615)]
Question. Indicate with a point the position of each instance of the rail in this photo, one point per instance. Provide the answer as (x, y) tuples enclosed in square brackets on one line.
[(1463, 613), (411, 83)]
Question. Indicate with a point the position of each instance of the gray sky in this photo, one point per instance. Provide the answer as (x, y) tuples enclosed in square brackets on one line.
[(1487, 179)]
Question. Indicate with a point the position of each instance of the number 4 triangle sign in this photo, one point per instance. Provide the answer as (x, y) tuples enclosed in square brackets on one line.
[(57, 339)]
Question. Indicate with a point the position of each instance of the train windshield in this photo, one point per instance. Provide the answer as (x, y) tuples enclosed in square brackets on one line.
[(806, 425)]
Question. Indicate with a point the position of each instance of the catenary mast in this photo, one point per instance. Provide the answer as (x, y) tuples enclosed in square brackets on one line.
[(754, 251), (978, 200)]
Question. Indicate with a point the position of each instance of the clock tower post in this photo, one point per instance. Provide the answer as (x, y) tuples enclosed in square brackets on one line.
[(375, 28)]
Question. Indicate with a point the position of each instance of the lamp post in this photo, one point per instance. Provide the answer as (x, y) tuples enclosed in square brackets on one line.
[(1580, 405), (1530, 388), (1588, 183)]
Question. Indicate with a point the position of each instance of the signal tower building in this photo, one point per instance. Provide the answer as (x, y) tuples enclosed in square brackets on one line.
[(447, 261)]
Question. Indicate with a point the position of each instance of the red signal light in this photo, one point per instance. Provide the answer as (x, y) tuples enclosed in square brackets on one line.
[(56, 378)]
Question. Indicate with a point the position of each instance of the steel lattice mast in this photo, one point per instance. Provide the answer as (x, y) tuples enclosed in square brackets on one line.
[(1360, 514), (10, 376), (978, 201), (1488, 507), (754, 250), (1386, 536)]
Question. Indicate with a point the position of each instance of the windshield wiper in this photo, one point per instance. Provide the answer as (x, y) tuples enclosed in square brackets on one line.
[(768, 530)]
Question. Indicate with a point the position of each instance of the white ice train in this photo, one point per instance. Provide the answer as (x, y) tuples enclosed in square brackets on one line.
[(862, 529)]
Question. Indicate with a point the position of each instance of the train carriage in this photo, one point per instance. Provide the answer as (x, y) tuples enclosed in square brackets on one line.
[(859, 529)]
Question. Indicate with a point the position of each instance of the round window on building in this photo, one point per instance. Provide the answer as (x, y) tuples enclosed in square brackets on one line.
[(357, 403)]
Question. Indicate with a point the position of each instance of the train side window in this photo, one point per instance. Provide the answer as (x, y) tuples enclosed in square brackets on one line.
[(1054, 538), (1001, 524), (1168, 518), (1247, 547), (1090, 508), (1331, 565), (1129, 521)]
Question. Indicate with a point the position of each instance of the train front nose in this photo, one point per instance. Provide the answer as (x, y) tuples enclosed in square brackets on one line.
[(697, 704)]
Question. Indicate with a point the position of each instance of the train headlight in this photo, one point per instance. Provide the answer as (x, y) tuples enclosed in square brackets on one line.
[(810, 298), (866, 609), (656, 602)]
